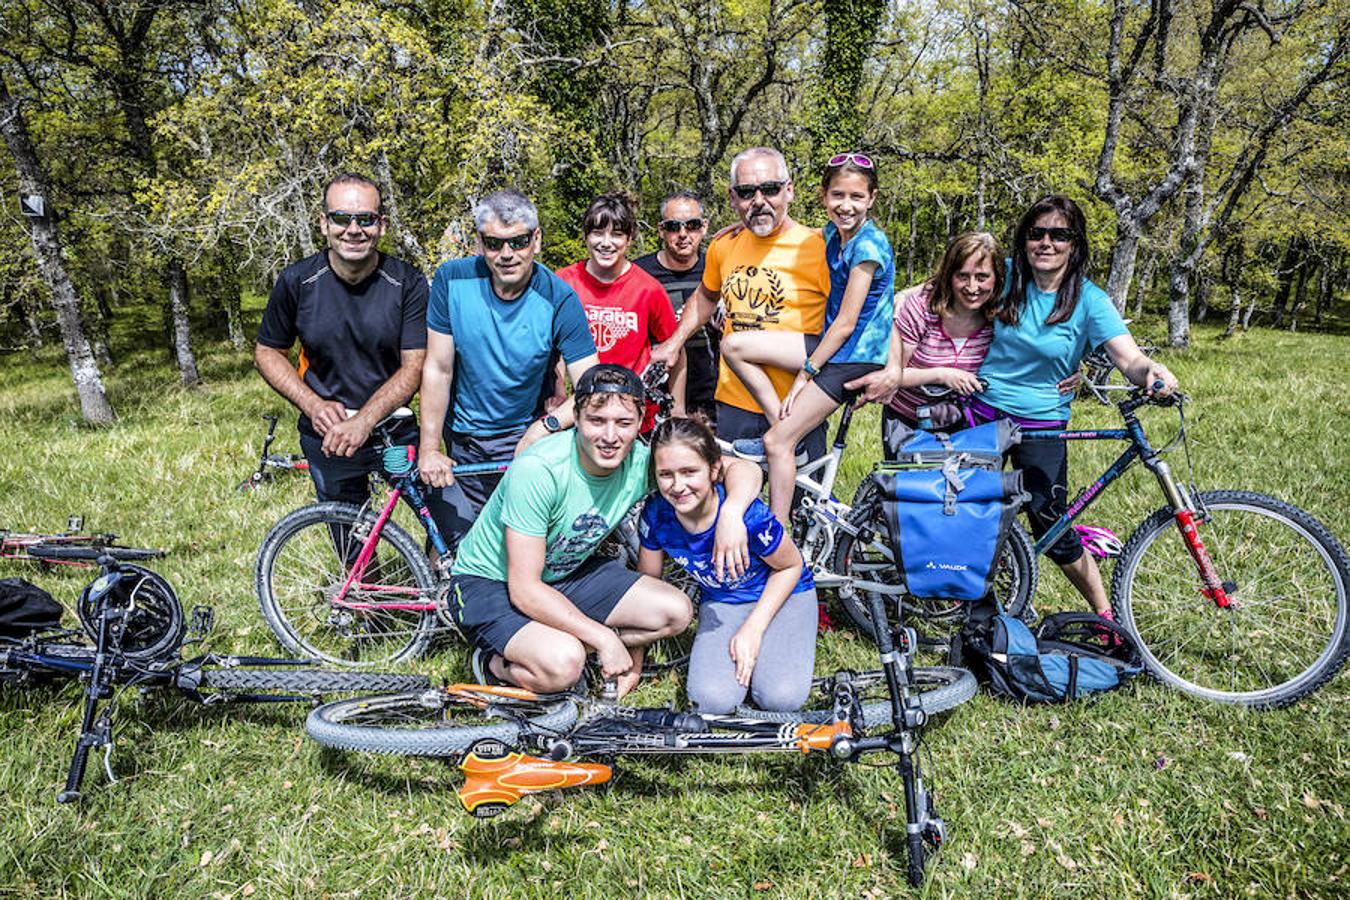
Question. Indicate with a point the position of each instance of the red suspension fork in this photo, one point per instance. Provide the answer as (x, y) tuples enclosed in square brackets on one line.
[(1214, 587), (368, 548)]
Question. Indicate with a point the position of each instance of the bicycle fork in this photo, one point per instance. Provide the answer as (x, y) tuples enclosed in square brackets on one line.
[(1187, 517)]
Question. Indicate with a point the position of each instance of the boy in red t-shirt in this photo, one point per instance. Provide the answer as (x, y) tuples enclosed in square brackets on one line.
[(627, 309)]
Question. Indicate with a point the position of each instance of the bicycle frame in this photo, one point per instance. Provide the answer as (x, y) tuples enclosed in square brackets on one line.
[(497, 775), (404, 486), (1139, 450)]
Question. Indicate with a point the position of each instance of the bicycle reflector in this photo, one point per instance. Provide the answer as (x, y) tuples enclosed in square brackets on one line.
[(398, 460)]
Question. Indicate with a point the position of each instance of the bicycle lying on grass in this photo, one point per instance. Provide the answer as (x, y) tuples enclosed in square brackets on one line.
[(495, 732), (1234, 596), (68, 548), (137, 628), (271, 463)]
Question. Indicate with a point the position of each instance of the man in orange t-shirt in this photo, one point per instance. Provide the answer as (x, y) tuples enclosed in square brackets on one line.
[(769, 276)]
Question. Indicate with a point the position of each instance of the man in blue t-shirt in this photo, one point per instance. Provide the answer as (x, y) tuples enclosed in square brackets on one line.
[(496, 325), (360, 318)]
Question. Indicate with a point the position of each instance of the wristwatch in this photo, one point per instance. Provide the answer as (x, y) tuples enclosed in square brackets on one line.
[(551, 424), (809, 368)]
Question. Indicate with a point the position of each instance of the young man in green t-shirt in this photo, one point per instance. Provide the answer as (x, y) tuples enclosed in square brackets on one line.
[(527, 590)]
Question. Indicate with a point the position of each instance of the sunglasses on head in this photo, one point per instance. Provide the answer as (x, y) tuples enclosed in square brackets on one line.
[(343, 219), (1058, 235), (858, 159), (748, 191), (674, 225), (516, 241)]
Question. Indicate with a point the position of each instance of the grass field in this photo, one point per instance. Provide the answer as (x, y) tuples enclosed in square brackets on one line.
[(1145, 793)]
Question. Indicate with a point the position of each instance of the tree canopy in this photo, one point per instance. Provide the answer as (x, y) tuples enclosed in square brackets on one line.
[(1204, 138)]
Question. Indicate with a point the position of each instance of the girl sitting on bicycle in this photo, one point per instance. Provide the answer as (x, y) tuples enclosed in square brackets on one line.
[(1051, 316), (856, 338), (756, 632)]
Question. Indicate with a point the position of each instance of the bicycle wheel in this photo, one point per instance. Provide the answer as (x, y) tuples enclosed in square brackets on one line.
[(58, 551), (938, 688), (432, 723), (153, 626), (384, 617), (1285, 634), (1014, 582), (304, 680)]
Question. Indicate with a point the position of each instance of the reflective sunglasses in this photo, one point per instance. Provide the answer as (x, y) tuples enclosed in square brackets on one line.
[(674, 225), (767, 188), (858, 159), (1058, 235), (517, 241), (343, 219)]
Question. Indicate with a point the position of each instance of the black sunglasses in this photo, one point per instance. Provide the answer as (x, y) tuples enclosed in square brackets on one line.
[(1058, 235), (343, 219), (767, 188), (517, 241), (674, 225)]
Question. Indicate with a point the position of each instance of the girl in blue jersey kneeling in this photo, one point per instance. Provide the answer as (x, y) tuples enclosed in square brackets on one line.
[(756, 633)]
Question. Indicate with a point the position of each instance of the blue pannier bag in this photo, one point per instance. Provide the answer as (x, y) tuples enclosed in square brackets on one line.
[(1071, 655), (948, 508)]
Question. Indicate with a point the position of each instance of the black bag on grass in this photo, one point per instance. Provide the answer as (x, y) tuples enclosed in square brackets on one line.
[(1071, 655), (26, 609)]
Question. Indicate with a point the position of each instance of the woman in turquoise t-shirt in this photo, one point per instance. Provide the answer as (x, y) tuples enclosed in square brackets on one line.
[(1051, 316)]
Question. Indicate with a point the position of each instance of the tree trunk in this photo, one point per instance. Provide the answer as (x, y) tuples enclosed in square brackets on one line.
[(1201, 299), (1144, 282), (182, 335), (234, 318), (1123, 257), (408, 244), (1300, 291), (1286, 281), (47, 252), (1178, 308), (913, 239), (32, 317)]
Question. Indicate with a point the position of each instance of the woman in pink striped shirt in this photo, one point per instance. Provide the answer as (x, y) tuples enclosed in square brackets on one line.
[(944, 333)]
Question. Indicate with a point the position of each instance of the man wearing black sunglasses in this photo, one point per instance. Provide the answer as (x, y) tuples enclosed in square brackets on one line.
[(360, 317), (678, 265), (496, 325), (770, 275)]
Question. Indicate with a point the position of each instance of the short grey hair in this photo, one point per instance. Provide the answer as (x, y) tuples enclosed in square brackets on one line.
[(760, 151), (505, 207), (681, 195)]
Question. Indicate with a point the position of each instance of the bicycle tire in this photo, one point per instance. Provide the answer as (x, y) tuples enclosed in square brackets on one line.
[(56, 550), (154, 623), (1287, 633), (429, 723), (302, 563), (1014, 584), (302, 680), (939, 688)]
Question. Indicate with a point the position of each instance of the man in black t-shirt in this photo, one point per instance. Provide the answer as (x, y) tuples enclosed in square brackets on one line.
[(679, 267), (361, 319)]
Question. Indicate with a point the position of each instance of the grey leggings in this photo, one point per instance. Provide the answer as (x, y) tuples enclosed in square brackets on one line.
[(781, 680)]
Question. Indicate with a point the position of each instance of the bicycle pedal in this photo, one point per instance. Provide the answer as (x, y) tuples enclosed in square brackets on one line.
[(200, 622)]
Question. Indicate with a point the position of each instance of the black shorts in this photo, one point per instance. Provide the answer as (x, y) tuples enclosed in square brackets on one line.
[(482, 609), (833, 376), (734, 424)]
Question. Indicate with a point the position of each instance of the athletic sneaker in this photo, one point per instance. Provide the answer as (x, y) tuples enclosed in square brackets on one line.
[(482, 672)]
